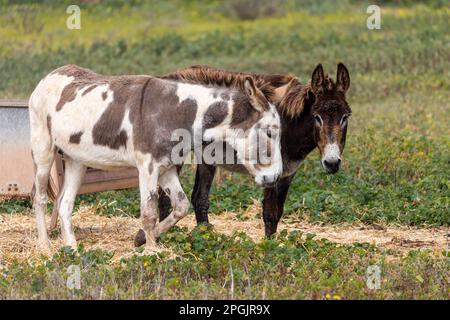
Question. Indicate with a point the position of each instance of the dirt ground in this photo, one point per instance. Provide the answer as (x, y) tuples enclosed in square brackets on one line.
[(18, 233)]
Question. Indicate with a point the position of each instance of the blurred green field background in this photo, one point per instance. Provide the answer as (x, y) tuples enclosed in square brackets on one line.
[(397, 157)]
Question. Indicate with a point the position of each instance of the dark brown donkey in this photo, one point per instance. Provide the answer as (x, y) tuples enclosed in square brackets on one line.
[(312, 115)]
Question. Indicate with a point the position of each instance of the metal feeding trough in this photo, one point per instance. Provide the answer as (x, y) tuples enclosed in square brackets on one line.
[(16, 165)]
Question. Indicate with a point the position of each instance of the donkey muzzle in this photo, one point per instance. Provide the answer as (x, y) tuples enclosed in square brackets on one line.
[(331, 160), (267, 180), (332, 165)]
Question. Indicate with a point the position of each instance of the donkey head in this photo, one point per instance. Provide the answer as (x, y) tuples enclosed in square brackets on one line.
[(331, 112), (258, 143)]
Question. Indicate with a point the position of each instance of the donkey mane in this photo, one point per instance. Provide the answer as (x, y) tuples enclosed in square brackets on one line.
[(292, 103), (217, 77)]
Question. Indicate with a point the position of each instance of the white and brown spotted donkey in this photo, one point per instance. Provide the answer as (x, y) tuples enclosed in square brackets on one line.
[(110, 122)]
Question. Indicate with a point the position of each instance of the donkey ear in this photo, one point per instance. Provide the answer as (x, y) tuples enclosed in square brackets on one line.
[(249, 86), (252, 93), (342, 78), (317, 79)]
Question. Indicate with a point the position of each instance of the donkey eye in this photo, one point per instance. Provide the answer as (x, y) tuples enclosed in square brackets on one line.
[(318, 120), (344, 120), (271, 133)]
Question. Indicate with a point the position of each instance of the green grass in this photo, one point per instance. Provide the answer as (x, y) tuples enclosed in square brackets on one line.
[(211, 265), (396, 162)]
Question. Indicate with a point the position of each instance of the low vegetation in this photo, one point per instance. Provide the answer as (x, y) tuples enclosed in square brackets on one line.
[(204, 264)]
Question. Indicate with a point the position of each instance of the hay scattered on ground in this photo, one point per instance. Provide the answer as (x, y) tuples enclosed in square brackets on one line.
[(116, 234)]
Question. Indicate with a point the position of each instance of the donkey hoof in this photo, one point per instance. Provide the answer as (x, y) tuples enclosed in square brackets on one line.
[(150, 250), (139, 239), (45, 248), (206, 224), (71, 247)]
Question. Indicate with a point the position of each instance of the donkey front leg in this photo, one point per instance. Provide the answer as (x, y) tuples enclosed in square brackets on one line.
[(273, 204), (170, 183), (204, 177), (73, 177), (148, 183), (164, 201)]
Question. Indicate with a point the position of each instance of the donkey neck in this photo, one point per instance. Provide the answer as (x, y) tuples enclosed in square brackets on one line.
[(297, 139)]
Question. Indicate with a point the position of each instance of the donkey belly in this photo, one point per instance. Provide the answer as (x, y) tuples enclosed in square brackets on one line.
[(98, 157)]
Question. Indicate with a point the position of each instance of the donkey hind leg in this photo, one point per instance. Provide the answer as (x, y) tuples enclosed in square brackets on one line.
[(43, 160), (148, 185), (43, 153), (73, 177), (170, 183)]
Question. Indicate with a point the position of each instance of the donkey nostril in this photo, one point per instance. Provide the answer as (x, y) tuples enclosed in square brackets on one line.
[(332, 165)]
